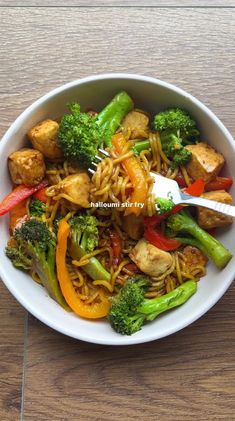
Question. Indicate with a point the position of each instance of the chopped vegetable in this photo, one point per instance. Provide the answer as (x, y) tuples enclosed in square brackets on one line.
[(130, 309), (196, 188), (158, 239), (80, 134), (183, 222), (140, 146), (83, 239), (17, 195), (177, 129), (91, 311), (18, 214), (164, 205), (219, 183), (36, 208), (33, 248), (84, 231), (136, 173), (179, 122), (41, 195), (180, 180), (116, 244), (132, 267)]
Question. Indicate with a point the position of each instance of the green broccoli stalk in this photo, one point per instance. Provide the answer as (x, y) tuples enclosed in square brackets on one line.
[(33, 248), (187, 240), (182, 222), (36, 208), (142, 145), (80, 134), (130, 309), (164, 205), (84, 238), (177, 129)]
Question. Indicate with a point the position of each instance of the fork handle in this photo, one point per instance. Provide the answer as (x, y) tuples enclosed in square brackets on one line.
[(210, 204)]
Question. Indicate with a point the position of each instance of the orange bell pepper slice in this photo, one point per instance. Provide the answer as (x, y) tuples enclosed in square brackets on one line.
[(17, 214), (136, 173), (89, 311)]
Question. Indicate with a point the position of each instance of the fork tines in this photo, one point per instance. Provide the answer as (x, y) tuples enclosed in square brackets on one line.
[(98, 158)]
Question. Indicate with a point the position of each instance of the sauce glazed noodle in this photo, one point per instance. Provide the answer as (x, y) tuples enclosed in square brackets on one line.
[(99, 235)]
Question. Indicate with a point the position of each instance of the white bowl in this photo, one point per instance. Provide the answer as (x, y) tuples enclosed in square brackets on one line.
[(95, 91)]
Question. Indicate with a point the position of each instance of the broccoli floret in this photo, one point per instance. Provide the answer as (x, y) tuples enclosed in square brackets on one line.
[(164, 205), (174, 119), (177, 129), (18, 257), (130, 309), (181, 157), (33, 248), (183, 222), (84, 237), (80, 134), (84, 231), (36, 208)]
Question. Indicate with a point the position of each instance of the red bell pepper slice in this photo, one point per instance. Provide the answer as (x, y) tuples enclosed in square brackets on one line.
[(132, 267), (196, 188), (180, 180), (41, 195), (157, 239), (116, 244), (18, 194), (152, 221), (219, 183)]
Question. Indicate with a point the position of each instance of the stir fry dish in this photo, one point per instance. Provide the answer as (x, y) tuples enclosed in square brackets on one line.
[(84, 222)]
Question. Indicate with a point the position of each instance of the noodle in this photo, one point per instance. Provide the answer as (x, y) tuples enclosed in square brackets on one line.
[(112, 184)]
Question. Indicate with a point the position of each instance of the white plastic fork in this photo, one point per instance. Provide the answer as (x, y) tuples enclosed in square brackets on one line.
[(166, 188)]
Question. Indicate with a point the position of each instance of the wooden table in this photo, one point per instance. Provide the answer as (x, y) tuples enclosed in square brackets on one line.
[(45, 375)]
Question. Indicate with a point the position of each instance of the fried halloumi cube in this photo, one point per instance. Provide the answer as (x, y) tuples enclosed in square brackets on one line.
[(75, 189), (43, 137), (208, 218), (27, 167), (150, 259), (137, 123), (205, 162)]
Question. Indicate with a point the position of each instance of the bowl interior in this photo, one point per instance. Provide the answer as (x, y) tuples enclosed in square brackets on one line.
[(93, 93)]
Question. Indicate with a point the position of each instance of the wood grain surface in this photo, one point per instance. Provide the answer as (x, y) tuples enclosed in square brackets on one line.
[(12, 318), (118, 3), (190, 374)]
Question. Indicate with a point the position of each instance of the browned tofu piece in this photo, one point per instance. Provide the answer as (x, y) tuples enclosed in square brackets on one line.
[(205, 162), (27, 167), (194, 257), (136, 122), (75, 189), (211, 219), (133, 226), (150, 259), (44, 138)]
